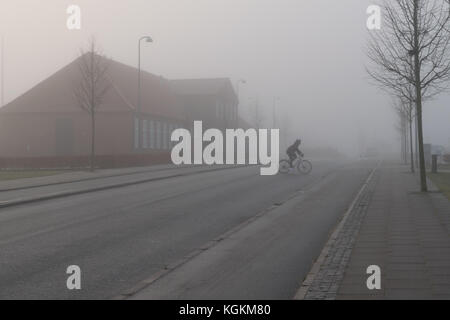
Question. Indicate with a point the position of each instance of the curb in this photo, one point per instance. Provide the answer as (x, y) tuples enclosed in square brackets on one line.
[(307, 282), (86, 179)]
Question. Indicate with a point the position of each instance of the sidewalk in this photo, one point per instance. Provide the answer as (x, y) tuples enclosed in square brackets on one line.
[(404, 232), (74, 176)]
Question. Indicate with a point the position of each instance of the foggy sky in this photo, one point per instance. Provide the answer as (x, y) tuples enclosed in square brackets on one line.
[(308, 52)]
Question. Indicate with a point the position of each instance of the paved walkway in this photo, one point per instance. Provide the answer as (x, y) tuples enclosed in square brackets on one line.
[(404, 232), (72, 176)]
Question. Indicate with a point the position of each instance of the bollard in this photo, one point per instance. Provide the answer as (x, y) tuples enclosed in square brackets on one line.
[(434, 163)]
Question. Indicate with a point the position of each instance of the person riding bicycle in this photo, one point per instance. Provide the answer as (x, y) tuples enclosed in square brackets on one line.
[(293, 151)]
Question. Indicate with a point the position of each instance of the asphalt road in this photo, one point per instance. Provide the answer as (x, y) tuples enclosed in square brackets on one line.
[(121, 237)]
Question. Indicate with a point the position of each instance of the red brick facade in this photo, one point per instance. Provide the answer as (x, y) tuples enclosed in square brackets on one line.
[(45, 128)]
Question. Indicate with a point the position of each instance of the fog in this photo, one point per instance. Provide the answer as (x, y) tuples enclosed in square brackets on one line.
[(309, 53)]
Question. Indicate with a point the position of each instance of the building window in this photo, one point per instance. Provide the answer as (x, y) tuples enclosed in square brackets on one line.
[(166, 136), (151, 133), (136, 133), (144, 134), (158, 135), (172, 129)]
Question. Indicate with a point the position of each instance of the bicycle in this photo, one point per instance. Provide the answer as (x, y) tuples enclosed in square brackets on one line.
[(302, 165)]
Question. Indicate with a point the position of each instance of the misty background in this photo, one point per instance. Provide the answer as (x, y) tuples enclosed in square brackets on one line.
[(309, 53)]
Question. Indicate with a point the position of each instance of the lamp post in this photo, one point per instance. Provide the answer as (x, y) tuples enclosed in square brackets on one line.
[(2, 63), (275, 99), (240, 81), (138, 115)]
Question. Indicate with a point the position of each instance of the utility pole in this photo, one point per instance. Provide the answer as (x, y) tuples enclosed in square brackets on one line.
[(238, 97), (275, 99), (139, 107), (257, 113), (2, 101)]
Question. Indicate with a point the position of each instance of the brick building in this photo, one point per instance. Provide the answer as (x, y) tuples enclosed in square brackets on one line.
[(45, 127), (213, 101)]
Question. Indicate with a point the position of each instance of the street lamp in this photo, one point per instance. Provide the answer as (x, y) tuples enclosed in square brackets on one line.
[(148, 40), (238, 83), (237, 92), (275, 99)]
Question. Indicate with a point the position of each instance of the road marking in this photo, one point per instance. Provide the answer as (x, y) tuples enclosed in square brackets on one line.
[(303, 290)]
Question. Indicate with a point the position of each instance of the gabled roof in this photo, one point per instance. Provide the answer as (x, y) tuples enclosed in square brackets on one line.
[(56, 93), (199, 87)]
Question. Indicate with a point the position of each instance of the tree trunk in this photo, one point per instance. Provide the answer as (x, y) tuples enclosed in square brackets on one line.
[(417, 143), (423, 175), (405, 134), (404, 140), (411, 145), (92, 108), (92, 160)]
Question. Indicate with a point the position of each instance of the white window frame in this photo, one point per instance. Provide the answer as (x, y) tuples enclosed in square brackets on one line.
[(171, 129), (136, 133), (217, 109), (144, 134), (165, 136), (151, 134), (158, 135)]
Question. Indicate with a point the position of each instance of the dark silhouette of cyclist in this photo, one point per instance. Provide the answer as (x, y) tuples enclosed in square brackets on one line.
[(293, 151)]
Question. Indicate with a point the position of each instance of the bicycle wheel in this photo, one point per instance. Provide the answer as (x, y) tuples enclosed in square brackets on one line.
[(284, 166), (304, 166)]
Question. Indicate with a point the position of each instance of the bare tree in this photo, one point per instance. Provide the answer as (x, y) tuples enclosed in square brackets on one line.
[(412, 50), (405, 111), (92, 87), (401, 128)]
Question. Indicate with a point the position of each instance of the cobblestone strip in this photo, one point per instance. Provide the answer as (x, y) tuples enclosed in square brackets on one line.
[(327, 273)]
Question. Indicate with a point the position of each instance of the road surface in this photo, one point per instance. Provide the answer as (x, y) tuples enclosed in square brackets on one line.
[(122, 236)]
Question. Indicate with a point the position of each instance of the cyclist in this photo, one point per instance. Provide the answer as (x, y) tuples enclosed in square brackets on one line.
[(293, 151)]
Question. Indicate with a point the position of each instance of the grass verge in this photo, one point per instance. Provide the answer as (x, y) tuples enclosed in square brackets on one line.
[(442, 181), (21, 174)]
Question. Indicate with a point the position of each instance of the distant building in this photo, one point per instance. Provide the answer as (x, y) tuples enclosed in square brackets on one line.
[(45, 127), (427, 153), (213, 101)]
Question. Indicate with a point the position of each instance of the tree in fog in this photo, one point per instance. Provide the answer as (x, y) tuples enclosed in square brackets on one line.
[(401, 128), (92, 87), (412, 49), (405, 110)]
